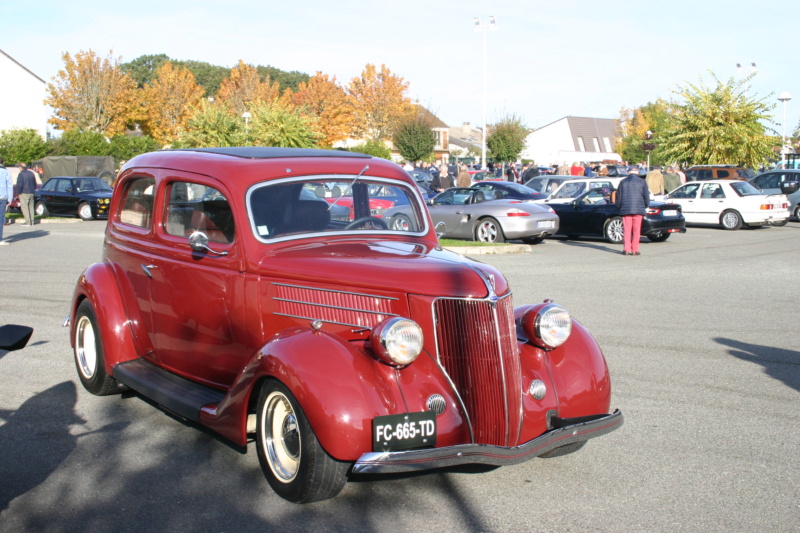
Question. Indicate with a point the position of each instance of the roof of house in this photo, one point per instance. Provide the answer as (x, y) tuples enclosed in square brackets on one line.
[(22, 66)]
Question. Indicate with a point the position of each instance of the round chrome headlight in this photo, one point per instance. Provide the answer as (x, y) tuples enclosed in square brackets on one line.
[(397, 341), (548, 325)]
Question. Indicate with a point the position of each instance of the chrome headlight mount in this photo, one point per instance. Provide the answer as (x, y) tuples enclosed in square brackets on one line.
[(397, 341), (547, 325)]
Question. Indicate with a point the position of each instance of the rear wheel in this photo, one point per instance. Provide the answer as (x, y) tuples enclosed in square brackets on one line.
[(613, 230), (41, 209), (85, 211), (797, 212), (89, 358), (489, 231), (533, 240), (731, 220), (661, 236), (291, 457)]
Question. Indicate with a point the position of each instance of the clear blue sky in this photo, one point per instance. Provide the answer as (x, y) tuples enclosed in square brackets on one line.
[(547, 60)]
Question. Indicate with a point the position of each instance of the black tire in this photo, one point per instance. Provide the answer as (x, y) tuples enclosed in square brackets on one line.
[(489, 231), (564, 450), (613, 230), (797, 213), (780, 223), (89, 353), (401, 223), (85, 211), (730, 220), (107, 176), (659, 237), (291, 457), (41, 210), (533, 240)]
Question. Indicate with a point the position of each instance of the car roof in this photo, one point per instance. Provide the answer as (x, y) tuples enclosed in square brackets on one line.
[(272, 152)]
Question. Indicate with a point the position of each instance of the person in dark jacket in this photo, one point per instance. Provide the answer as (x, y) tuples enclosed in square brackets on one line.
[(26, 186), (633, 197)]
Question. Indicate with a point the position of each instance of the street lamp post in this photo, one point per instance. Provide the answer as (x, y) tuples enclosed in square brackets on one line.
[(491, 25), (784, 97), (648, 147), (246, 116), (747, 70)]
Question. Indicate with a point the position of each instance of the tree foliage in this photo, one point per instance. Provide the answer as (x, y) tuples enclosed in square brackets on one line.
[(374, 148), (171, 100), (124, 147), (506, 139), (323, 98), (379, 102), (275, 124), (719, 125), (92, 94), (80, 142), (244, 87), (632, 131), (22, 146), (414, 139), (212, 125)]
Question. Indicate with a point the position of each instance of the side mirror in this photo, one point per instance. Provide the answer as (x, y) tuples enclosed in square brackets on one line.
[(790, 187), (198, 241)]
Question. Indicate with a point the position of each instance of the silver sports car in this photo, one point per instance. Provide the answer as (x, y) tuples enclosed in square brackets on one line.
[(468, 214)]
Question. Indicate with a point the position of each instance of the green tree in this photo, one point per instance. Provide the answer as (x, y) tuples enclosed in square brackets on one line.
[(79, 142), (143, 69), (273, 124), (374, 148), (22, 146), (414, 139), (124, 147), (719, 125), (506, 139), (211, 125), (633, 126)]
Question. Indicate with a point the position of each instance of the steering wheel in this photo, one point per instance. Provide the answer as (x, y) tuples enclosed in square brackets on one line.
[(361, 220)]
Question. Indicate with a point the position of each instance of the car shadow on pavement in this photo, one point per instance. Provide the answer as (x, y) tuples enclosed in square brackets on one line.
[(617, 249), (778, 363)]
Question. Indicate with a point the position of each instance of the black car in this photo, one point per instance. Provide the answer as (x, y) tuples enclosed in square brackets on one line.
[(507, 190), (87, 198), (594, 214)]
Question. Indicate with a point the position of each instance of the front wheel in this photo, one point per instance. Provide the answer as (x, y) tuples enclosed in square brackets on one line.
[(489, 231), (731, 220), (291, 457), (614, 230), (661, 236), (41, 209), (85, 211), (89, 353)]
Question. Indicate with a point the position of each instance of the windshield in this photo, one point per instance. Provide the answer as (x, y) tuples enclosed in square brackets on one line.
[(92, 185), (332, 204)]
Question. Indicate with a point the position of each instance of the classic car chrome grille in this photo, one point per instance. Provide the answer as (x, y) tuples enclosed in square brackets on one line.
[(336, 307), (476, 345)]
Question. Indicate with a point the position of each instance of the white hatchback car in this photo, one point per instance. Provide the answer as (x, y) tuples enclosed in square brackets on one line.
[(730, 203)]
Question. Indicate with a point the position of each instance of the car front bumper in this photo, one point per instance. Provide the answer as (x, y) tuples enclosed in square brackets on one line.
[(576, 430)]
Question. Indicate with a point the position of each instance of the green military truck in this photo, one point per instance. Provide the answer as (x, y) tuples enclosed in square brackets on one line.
[(82, 166)]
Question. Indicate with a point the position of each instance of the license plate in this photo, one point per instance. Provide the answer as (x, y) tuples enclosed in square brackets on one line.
[(403, 432), (670, 213), (546, 224)]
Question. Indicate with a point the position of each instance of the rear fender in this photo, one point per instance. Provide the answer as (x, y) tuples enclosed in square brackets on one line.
[(98, 284)]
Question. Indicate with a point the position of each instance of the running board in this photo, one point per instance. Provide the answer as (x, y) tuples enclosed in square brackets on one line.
[(172, 392)]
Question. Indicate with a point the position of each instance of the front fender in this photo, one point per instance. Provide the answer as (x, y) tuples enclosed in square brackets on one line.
[(98, 284)]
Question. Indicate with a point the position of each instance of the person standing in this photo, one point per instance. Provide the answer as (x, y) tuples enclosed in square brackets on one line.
[(576, 169), (26, 186), (563, 170), (6, 195), (671, 180), (632, 200), (463, 179), (655, 181)]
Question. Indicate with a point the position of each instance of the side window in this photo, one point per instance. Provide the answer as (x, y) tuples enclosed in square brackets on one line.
[(704, 174), (195, 207), (137, 203), (712, 190), (723, 174), (62, 185), (50, 185)]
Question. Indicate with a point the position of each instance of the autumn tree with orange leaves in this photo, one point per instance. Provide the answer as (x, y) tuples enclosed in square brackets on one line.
[(244, 86), (171, 99), (324, 99), (379, 102), (92, 94)]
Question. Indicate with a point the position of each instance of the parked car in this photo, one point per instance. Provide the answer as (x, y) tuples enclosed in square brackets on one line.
[(546, 184), (508, 190), (570, 189), (466, 213), (718, 172), (483, 175), (230, 299), (420, 176), (730, 203), (617, 171), (781, 182), (594, 214), (86, 198)]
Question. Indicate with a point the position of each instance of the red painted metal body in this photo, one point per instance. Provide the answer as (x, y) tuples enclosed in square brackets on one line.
[(229, 322)]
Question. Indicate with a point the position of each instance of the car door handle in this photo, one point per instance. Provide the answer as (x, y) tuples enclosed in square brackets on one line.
[(147, 269)]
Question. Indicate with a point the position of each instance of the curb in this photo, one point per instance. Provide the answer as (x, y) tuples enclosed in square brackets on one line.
[(491, 250)]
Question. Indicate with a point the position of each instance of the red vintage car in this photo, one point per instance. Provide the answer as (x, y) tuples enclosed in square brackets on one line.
[(230, 296)]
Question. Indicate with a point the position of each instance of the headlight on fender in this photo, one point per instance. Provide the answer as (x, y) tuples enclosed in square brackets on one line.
[(547, 326), (397, 341)]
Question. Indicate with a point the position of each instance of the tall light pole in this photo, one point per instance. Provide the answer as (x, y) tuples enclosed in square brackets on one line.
[(746, 70), (491, 25), (784, 97)]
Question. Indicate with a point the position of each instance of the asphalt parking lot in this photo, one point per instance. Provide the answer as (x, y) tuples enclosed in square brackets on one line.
[(700, 336)]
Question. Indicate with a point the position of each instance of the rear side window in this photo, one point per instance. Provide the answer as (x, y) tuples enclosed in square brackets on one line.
[(137, 203)]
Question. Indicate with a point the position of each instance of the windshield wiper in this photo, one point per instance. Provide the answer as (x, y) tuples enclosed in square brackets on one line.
[(333, 203)]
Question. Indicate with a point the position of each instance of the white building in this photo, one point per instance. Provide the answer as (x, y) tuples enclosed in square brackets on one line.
[(572, 139), (22, 95)]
